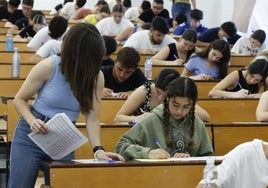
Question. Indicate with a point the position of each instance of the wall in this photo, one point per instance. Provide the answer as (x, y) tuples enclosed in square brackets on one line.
[(215, 11)]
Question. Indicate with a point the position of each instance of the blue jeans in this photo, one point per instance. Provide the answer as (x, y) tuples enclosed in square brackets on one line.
[(178, 8), (26, 156)]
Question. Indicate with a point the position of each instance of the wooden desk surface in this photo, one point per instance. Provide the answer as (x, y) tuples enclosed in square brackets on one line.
[(131, 174)]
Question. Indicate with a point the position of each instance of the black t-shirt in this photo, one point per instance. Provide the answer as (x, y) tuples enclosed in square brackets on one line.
[(21, 23), (15, 16), (4, 14), (27, 32), (148, 15), (133, 82)]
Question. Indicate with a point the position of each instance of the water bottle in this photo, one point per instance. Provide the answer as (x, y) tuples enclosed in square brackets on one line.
[(16, 64), (210, 174), (148, 68), (9, 41)]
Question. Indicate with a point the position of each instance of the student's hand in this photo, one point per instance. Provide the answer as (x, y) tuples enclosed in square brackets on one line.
[(178, 62), (242, 93), (158, 154), (181, 155), (124, 94), (103, 155), (255, 95), (107, 92), (203, 77), (38, 126)]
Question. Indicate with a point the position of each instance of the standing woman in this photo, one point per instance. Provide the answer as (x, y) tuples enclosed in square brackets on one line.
[(210, 64), (182, 6), (70, 84), (170, 130), (177, 53)]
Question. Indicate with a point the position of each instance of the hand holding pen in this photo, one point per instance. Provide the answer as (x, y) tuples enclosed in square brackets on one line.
[(158, 153), (178, 61), (242, 93)]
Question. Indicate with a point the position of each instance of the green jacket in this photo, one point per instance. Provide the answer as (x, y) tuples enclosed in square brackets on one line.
[(140, 139)]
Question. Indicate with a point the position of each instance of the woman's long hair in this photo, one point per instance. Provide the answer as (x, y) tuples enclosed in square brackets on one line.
[(81, 57)]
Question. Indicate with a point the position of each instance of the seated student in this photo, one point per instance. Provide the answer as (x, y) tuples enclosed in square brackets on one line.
[(250, 45), (175, 22), (81, 13), (93, 19), (36, 22), (122, 37), (51, 47), (56, 10), (122, 78), (245, 166), (55, 30), (133, 12), (177, 53), (112, 26), (7, 10), (227, 31), (262, 108), (243, 83), (111, 46), (196, 16), (170, 130), (25, 12), (69, 9), (153, 40), (210, 64), (156, 10), (149, 96)]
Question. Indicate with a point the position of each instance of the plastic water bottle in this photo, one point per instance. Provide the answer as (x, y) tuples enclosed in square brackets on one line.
[(9, 41), (148, 68), (16, 64), (210, 174)]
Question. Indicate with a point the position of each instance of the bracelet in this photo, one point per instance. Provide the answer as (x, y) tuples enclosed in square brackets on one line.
[(96, 148)]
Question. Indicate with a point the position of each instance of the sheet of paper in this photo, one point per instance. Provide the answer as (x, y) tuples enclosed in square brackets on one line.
[(62, 138), (182, 159), (91, 161)]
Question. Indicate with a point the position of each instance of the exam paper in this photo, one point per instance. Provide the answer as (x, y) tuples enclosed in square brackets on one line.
[(62, 137), (182, 159)]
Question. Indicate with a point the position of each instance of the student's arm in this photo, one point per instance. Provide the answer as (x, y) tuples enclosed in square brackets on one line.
[(137, 98), (93, 123), (125, 34), (202, 113), (39, 74), (230, 81), (160, 58), (262, 108), (18, 38)]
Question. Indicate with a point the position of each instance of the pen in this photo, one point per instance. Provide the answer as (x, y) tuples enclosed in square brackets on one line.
[(174, 55), (27, 34), (157, 143), (142, 111), (239, 85)]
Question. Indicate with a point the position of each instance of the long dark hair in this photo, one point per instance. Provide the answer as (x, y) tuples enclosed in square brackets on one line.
[(81, 57), (180, 87), (223, 63)]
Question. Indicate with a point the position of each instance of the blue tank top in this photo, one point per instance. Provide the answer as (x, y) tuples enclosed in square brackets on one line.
[(56, 96)]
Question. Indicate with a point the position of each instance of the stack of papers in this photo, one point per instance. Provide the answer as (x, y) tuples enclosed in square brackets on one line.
[(62, 137)]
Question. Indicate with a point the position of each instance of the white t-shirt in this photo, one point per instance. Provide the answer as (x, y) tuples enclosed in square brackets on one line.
[(242, 46), (41, 37), (51, 47), (68, 10), (132, 12), (245, 166), (141, 41), (107, 26)]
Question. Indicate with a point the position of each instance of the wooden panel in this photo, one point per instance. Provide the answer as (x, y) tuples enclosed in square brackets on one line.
[(229, 136)]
